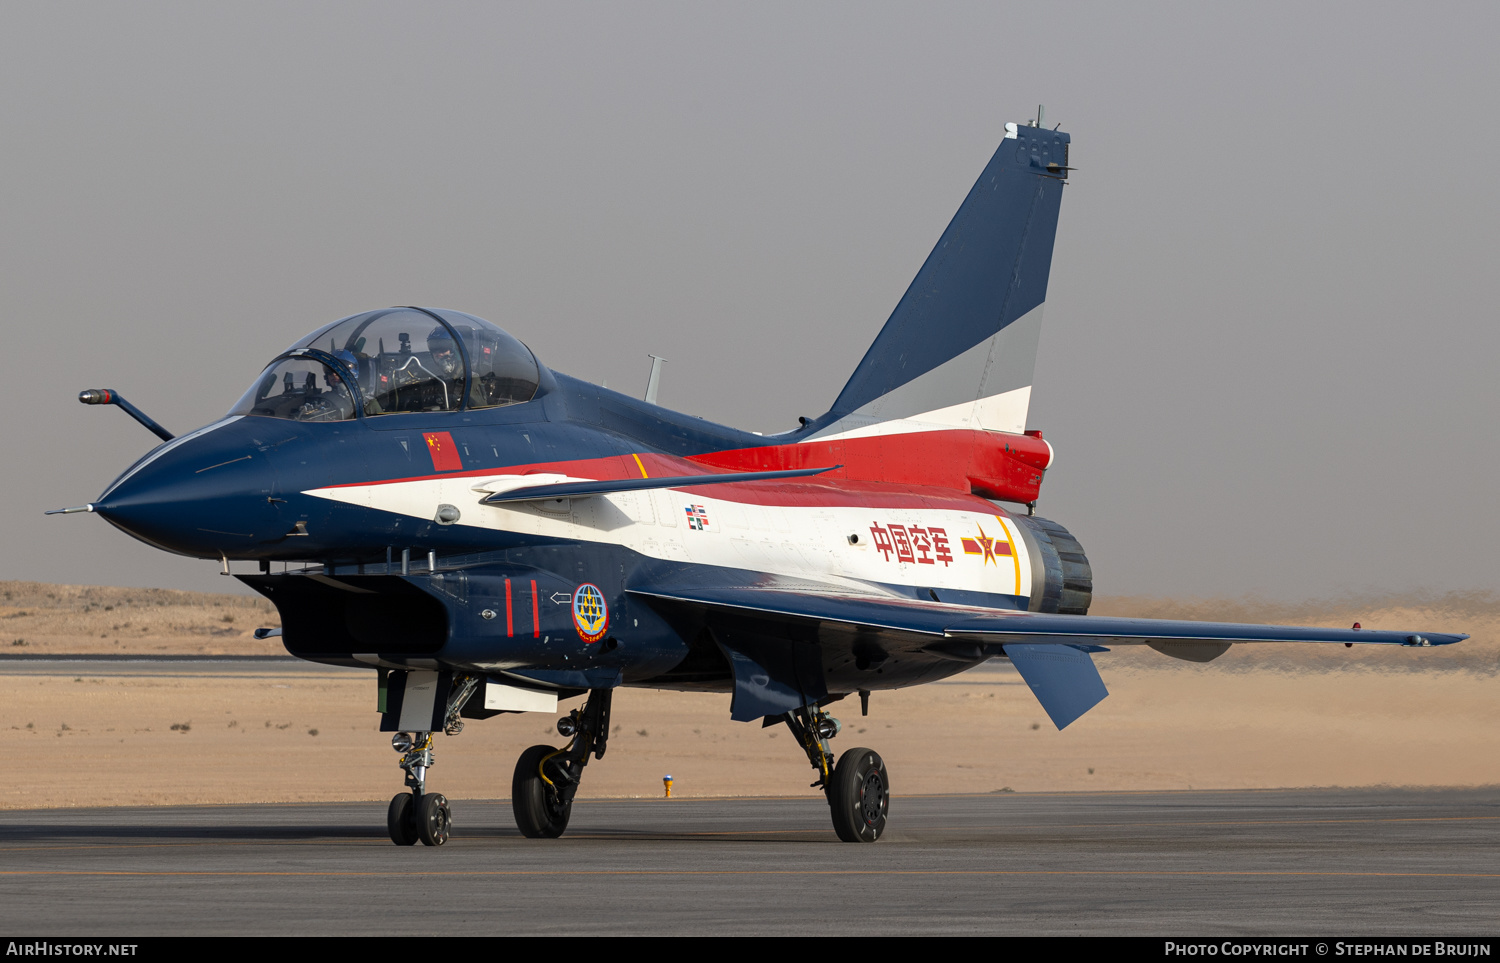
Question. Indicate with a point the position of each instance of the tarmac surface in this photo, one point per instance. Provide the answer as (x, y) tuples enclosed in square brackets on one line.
[(1335, 863)]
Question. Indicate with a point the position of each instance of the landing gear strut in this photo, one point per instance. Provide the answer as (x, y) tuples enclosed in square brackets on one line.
[(546, 779), (418, 814), (858, 788)]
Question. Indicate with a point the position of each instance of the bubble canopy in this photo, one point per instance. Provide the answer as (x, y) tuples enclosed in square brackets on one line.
[(394, 360)]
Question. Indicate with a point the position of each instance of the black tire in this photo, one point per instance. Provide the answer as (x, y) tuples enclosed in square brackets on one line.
[(860, 796), (540, 814), (434, 820), (398, 821)]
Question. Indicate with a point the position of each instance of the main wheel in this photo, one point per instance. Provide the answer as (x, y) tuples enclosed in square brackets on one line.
[(398, 820), (859, 796), (434, 820), (540, 811)]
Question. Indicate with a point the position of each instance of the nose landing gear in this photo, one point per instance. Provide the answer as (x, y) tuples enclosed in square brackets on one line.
[(417, 814), (858, 787), (546, 779), (420, 814)]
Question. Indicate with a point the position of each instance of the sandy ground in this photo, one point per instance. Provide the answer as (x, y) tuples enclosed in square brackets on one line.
[(37, 618), (1260, 717)]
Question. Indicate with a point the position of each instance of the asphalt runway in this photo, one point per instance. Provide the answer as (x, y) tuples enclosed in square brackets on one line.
[(1288, 862)]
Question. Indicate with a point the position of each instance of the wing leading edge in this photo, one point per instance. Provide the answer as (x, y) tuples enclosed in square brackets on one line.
[(1051, 652)]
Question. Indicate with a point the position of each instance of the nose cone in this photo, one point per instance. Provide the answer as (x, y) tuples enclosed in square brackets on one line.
[(206, 494)]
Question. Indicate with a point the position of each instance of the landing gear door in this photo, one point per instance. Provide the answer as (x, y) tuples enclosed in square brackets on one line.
[(772, 676), (414, 700)]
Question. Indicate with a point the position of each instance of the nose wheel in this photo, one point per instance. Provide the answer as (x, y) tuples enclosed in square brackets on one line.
[(410, 818), (399, 822), (434, 821)]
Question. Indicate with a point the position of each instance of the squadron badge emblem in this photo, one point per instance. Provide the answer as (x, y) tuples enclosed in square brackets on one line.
[(590, 612)]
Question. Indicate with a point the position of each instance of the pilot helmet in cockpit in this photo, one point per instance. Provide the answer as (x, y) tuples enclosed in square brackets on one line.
[(351, 361), (444, 352)]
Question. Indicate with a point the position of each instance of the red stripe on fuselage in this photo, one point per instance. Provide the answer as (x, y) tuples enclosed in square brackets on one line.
[(911, 470), (994, 464)]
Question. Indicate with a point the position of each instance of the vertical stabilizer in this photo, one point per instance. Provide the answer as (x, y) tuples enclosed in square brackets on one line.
[(960, 348)]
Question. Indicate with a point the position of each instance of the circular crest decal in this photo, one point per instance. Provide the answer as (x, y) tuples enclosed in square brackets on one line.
[(590, 612)]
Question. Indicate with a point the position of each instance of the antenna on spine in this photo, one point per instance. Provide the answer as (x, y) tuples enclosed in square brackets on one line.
[(654, 380)]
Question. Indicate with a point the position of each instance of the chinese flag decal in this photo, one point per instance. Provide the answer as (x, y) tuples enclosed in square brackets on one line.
[(443, 451)]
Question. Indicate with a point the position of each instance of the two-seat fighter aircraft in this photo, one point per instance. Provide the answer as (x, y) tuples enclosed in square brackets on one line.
[(490, 536)]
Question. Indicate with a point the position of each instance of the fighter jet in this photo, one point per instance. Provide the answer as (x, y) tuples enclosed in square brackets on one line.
[(427, 500)]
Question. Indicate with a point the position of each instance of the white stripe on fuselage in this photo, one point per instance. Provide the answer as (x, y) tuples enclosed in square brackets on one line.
[(904, 546), (1003, 412)]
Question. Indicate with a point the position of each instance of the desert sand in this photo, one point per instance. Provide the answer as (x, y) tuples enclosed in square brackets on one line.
[(1260, 717)]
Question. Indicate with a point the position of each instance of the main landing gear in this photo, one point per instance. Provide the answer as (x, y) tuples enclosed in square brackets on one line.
[(858, 788), (546, 779), (418, 814)]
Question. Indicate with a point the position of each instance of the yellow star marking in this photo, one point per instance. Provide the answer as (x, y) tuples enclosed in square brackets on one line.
[(988, 544)]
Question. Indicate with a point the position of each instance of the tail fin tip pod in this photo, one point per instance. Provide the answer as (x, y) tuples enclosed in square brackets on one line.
[(960, 347)]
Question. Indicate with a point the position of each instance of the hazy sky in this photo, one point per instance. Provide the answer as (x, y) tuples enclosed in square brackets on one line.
[(1269, 355)]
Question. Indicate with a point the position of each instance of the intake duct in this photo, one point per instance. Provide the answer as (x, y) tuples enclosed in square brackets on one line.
[(1061, 580)]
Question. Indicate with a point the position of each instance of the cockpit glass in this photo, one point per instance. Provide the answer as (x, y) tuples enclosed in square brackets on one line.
[(299, 389), (404, 360)]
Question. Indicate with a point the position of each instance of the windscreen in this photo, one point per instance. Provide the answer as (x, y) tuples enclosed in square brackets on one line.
[(299, 389)]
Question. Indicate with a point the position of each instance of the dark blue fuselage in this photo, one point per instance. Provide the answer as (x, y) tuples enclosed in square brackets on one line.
[(495, 601), (235, 489)]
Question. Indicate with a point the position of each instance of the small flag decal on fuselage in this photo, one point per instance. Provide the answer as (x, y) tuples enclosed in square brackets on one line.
[(443, 451), (697, 517)]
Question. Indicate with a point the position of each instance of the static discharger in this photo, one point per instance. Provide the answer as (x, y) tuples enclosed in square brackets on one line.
[(666, 781)]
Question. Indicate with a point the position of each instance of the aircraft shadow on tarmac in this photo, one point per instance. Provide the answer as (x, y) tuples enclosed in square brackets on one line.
[(138, 831), (775, 821), (127, 833)]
